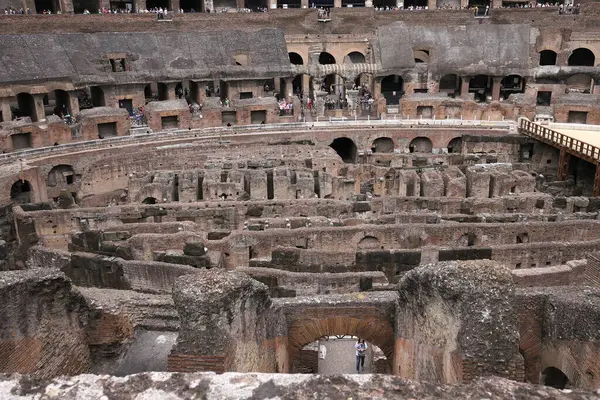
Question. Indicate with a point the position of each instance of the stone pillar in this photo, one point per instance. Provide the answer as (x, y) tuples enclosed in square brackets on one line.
[(457, 297), (288, 89), (6, 113), (240, 3), (304, 3), (496, 88), (464, 88), (277, 82), (171, 90), (497, 4), (272, 4), (306, 85), (40, 113), (464, 3), (73, 103), (225, 324), (432, 4), (174, 6), (337, 3)]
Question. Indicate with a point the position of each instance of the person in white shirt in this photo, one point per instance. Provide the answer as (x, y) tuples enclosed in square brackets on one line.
[(361, 352)]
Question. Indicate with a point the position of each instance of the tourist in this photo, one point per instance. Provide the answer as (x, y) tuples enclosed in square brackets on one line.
[(361, 352)]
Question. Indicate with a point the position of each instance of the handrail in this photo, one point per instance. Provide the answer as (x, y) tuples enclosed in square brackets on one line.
[(244, 129), (558, 139)]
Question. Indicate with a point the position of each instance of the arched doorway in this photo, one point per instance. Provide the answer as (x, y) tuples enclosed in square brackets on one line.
[(326, 58), (421, 56), (451, 84), (392, 87), (383, 145), (61, 175), (355, 57), (21, 192), (296, 58), (97, 96), (149, 200), (582, 57), (555, 378), (547, 57), (420, 144), (511, 84), (455, 145), (481, 86), (345, 148)]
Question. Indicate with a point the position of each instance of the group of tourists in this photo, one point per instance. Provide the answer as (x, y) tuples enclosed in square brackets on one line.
[(14, 11), (285, 107)]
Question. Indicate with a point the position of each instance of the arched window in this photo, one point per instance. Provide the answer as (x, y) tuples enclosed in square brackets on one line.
[(421, 56), (345, 148), (582, 57), (21, 191), (355, 57), (555, 378), (149, 200), (296, 58), (455, 145), (547, 57), (326, 58), (383, 145), (420, 144)]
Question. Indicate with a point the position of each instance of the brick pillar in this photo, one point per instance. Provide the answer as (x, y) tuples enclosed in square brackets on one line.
[(464, 87), (39, 106), (496, 88), (73, 103), (6, 113)]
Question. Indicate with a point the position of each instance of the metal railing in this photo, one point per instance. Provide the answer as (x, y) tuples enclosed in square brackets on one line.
[(559, 140)]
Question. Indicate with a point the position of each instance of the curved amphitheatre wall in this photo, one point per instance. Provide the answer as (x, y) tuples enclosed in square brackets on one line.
[(423, 239)]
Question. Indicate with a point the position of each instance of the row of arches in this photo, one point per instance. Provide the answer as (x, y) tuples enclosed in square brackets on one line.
[(347, 149), (325, 58), (580, 57)]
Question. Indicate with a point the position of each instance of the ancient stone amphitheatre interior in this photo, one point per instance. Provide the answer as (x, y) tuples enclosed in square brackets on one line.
[(216, 199)]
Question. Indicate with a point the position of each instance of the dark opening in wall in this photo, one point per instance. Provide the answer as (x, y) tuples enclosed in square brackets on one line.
[(425, 111), (245, 95), (21, 141), (326, 58), (582, 57), (295, 58), (420, 145), (383, 145), (149, 200), (522, 238), (555, 378), (392, 88), (577, 117), (547, 57), (258, 117), (200, 188), (317, 184), (175, 193), (117, 64), (455, 146), (169, 122), (107, 129), (97, 96), (543, 98), (345, 148), (270, 189), (229, 118), (21, 192)]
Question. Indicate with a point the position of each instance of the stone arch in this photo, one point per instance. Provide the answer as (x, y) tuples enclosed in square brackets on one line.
[(295, 58), (376, 330), (355, 57), (21, 192), (548, 57), (555, 378), (383, 145), (150, 200), (582, 57), (450, 84), (26, 104), (326, 58), (455, 145), (579, 83), (511, 84), (61, 175), (392, 88), (420, 144), (346, 149), (368, 242)]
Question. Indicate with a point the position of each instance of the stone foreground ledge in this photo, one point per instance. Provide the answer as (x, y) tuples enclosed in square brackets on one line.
[(175, 386)]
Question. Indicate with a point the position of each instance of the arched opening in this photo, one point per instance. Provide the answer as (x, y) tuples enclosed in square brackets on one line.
[(392, 87), (455, 146), (61, 175), (97, 96), (190, 6), (21, 192), (326, 58), (420, 144), (368, 242), (42, 6), (547, 57), (555, 378), (149, 200), (415, 4), (383, 145), (165, 4), (421, 56), (355, 57), (582, 57), (511, 84), (481, 86), (374, 330), (81, 6), (58, 103), (451, 85), (256, 5), (296, 58), (26, 107), (289, 4), (579, 83), (345, 148)]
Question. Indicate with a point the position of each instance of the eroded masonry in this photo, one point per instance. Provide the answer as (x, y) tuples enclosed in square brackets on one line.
[(233, 192)]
